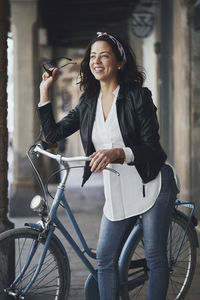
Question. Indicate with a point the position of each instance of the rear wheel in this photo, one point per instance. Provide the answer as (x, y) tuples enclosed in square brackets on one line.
[(181, 270), (53, 281)]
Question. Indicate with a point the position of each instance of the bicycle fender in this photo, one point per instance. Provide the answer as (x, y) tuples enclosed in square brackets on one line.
[(181, 214), (91, 288), (39, 228), (127, 250), (35, 226)]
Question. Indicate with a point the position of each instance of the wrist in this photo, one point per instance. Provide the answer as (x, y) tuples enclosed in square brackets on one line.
[(120, 156), (44, 96)]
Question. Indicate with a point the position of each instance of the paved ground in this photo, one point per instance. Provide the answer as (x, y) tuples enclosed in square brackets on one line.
[(86, 204)]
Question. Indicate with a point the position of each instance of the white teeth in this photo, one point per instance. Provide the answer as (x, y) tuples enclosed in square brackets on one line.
[(98, 69)]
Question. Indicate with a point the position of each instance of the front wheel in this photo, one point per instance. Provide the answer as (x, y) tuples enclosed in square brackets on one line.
[(53, 281), (181, 264)]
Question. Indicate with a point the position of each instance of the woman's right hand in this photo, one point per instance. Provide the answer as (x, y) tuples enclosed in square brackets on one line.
[(46, 83)]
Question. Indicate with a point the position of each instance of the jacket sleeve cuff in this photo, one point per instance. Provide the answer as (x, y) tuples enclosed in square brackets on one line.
[(129, 156), (43, 104)]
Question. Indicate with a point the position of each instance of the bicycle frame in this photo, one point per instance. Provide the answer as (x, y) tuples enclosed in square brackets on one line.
[(48, 231)]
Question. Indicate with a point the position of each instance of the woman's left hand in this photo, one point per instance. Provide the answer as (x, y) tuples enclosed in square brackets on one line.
[(101, 158)]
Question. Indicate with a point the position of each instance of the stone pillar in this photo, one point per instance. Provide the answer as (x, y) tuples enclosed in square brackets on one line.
[(195, 113), (181, 69), (5, 224), (166, 77), (24, 28)]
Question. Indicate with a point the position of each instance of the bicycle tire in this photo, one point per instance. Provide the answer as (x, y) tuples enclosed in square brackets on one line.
[(181, 274), (53, 281)]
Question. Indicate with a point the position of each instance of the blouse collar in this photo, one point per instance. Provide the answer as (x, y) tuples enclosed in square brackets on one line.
[(115, 92)]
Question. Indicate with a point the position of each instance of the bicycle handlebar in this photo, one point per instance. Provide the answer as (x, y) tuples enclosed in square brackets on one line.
[(59, 157), (39, 148)]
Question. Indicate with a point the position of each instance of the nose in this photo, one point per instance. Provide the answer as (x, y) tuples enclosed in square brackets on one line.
[(97, 59)]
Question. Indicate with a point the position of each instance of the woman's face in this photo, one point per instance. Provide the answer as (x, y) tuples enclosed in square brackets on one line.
[(103, 63)]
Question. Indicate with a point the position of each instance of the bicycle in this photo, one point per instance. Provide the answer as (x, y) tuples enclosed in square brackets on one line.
[(24, 276)]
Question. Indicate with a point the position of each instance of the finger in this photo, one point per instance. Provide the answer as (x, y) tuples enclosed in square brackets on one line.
[(55, 72), (94, 166), (96, 160), (98, 164), (103, 166), (92, 155), (45, 76)]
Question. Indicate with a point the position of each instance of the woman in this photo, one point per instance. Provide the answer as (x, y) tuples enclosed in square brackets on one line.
[(118, 127)]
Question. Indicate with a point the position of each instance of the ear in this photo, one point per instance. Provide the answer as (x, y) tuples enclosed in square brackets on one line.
[(121, 64)]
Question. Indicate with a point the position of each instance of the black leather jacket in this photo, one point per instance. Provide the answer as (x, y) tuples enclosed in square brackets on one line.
[(138, 124)]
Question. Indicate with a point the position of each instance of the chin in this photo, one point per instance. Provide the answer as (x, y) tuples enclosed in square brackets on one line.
[(98, 77)]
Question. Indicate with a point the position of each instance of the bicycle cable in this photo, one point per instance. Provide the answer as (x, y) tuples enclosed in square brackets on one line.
[(47, 182), (37, 175)]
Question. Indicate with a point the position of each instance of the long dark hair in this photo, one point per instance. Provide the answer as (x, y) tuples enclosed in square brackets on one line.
[(128, 74)]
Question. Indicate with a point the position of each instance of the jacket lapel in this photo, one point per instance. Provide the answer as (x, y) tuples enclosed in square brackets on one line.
[(92, 104)]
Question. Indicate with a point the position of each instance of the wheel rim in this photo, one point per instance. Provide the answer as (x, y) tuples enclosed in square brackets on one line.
[(180, 272)]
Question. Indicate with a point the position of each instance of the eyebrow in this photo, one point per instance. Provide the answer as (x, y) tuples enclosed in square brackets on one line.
[(101, 52)]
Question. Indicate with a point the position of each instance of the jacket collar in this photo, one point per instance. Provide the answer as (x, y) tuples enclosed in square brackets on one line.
[(93, 100)]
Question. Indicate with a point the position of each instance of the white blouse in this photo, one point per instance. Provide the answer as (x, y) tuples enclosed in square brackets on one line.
[(123, 194)]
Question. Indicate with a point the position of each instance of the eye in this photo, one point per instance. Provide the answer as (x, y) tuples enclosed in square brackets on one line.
[(92, 56)]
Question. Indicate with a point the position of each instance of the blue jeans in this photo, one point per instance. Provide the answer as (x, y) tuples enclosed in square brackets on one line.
[(113, 235)]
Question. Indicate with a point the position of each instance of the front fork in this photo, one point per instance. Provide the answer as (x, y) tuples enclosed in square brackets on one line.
[(11, 290)]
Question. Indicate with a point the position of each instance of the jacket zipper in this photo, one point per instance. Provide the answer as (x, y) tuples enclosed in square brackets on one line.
[(143, 189), (143, 184)]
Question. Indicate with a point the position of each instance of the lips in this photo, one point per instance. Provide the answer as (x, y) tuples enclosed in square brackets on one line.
[(98, 69)]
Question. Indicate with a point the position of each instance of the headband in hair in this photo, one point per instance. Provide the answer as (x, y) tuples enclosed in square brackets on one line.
[(119, 45)]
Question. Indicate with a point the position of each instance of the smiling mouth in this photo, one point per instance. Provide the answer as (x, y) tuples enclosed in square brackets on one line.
[(98, 69)]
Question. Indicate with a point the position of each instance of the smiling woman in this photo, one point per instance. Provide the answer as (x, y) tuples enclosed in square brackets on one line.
[(118, 126)]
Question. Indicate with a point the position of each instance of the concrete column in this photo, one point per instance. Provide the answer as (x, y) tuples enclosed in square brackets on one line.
[(5, 224), (166, 77), (195, 114), (24, 28), (181, 69)]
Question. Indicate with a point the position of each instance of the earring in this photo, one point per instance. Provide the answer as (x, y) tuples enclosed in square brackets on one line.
[(119, 68)]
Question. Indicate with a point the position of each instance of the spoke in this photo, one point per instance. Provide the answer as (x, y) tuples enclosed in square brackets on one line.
[(46, 282), (52, 282), (173, 287)]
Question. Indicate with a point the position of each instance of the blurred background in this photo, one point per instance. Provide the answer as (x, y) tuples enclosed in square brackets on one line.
[(165, 36)]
